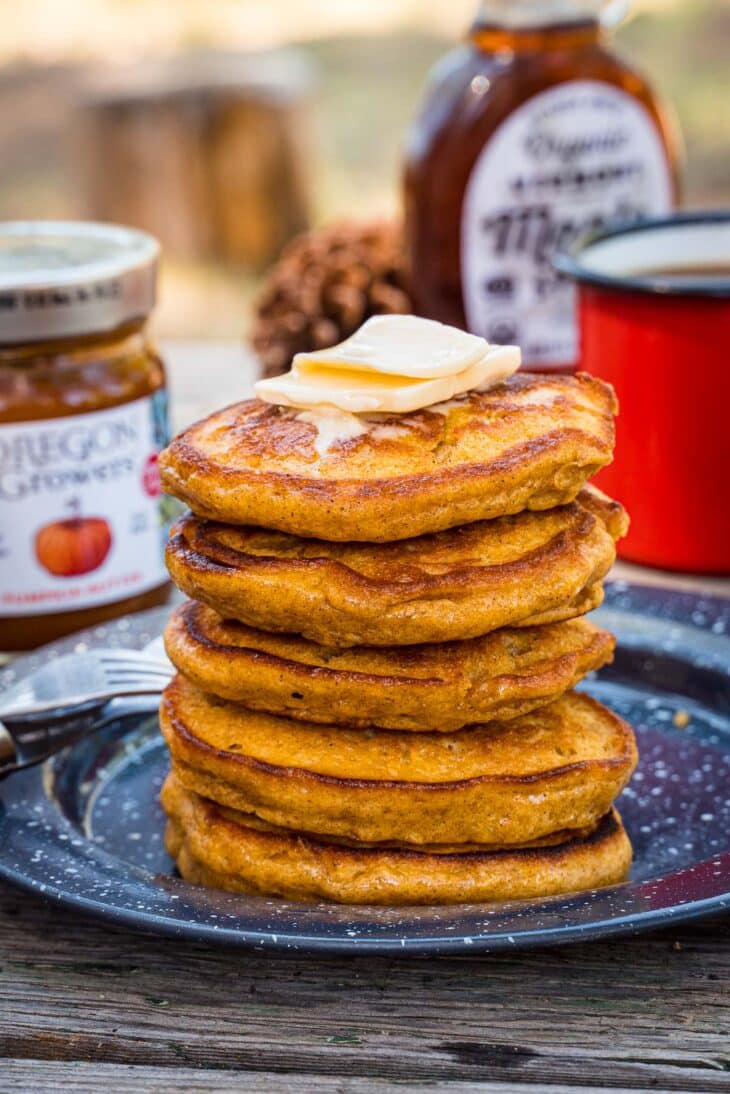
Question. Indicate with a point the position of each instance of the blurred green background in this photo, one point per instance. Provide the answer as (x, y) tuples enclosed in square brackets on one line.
[(365, 64)]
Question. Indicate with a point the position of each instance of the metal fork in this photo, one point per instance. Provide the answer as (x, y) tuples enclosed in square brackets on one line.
[(66, 699), (82, 678)]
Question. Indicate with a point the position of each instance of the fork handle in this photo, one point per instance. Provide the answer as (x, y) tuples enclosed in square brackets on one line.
[(28, 739), (8, 751)]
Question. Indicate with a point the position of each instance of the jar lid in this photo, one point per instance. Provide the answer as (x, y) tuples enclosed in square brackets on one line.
[(60, 278), (535, 13)]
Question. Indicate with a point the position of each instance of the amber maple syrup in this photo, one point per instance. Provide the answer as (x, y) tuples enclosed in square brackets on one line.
[(531, 133)]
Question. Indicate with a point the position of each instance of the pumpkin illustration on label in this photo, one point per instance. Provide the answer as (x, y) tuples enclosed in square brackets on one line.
[(73, 546)]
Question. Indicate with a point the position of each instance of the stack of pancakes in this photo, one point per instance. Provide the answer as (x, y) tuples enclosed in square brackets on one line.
[(374, 695)]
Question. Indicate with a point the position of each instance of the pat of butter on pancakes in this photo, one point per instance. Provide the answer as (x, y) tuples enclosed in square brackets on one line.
[(393, 364)]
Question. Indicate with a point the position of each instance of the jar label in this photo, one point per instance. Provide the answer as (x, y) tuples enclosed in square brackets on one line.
[(83, 520), (569, 160)]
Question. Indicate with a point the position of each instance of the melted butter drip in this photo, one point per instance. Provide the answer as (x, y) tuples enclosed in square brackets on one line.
[(333, 426), (449, 404)]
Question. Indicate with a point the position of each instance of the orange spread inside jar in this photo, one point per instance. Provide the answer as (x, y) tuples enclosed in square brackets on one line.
[(83, 416)]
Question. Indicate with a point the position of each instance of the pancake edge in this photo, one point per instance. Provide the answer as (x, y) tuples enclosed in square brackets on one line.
[(492, 809), (299, 867)]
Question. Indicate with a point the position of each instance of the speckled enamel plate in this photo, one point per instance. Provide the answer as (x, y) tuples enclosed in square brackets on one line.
[(86, 829)]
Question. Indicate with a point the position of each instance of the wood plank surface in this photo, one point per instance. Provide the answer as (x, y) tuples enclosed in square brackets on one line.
[(646, 1013), (126, 1079)]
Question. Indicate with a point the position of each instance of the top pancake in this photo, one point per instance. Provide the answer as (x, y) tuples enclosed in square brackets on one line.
[(528, 443)]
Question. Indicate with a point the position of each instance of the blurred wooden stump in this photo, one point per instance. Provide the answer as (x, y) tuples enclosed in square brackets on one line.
[(210, 153)]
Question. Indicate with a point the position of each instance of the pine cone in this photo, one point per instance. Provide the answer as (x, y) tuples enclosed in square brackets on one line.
[(326, 283)]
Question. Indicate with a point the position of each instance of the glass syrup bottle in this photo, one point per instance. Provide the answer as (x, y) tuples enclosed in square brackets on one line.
[(531, 133)]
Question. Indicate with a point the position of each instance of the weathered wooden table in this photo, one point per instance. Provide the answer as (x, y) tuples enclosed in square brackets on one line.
[(88, 1007)]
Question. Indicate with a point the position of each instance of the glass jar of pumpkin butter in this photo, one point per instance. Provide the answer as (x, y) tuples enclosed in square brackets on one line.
[(83, 416)]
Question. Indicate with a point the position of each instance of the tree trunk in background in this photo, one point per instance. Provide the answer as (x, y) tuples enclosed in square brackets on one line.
[(258, 176), (209, 155)]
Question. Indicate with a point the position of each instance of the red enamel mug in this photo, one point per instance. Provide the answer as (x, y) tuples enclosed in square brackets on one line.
[(654, 317)]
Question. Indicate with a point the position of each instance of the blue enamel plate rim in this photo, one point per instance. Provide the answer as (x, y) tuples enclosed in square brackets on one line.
[(246, 938)]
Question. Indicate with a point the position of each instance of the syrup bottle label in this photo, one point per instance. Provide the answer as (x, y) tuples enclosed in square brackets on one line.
[(83, 520), (568, 160)]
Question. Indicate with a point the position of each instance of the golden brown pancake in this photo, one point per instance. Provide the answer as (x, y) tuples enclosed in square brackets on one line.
[(439, 687), (229, 850), (513, 571), (502, 783), (529, 443)]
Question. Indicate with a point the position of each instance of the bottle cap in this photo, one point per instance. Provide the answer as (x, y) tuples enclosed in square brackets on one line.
[(60, 278), (535, 13)]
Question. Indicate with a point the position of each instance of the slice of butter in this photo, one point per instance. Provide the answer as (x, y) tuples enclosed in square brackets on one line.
[(410, 364), (401, 345)]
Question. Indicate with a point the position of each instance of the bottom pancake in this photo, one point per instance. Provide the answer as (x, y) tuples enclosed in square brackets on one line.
[(223, 849)]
